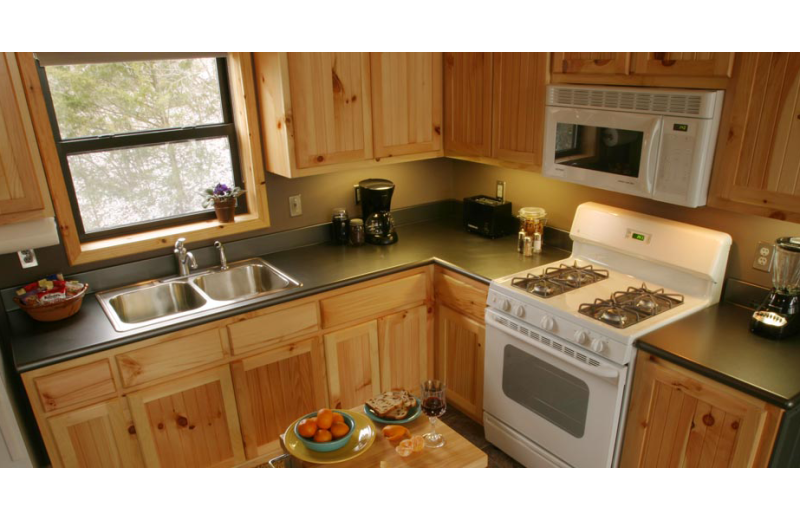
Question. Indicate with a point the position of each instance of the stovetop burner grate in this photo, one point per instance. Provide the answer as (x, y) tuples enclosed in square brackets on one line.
[(558, 280), (626, 308)]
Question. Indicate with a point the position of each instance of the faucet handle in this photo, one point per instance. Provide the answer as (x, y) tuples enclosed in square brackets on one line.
[(222, 260), (179, 245)]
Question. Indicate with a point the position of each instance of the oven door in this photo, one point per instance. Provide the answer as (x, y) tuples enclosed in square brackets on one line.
[(616, 151), (559, 396)]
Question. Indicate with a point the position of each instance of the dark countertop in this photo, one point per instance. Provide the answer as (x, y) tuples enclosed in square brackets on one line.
[(319, 267), (716, 342)]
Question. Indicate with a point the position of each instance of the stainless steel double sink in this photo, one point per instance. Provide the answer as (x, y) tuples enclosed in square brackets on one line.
[(158, 303)]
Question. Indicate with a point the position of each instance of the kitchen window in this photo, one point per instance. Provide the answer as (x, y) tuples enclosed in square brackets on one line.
[(139, 136)]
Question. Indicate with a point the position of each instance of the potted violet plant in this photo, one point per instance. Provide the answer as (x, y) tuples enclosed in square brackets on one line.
[(223, 199)]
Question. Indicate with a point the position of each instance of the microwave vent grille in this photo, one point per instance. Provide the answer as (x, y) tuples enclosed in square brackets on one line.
[(685, 104)]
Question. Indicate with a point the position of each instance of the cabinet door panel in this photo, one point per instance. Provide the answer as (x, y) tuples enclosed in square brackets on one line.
[(403, 349), (407, 102), (331, 107), (460, 352), (518, 107), (99, 436), (696, 64), (468, 103), (591, 62), (275, 388), (189, 422), (351, 359)]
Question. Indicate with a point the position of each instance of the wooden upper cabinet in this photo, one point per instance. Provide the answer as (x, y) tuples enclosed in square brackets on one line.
[(592, 62), (697, 64), (518, 106), (468, 103), (757, 162), (331, 107), (680, 419), (23, 189), (406, 102)]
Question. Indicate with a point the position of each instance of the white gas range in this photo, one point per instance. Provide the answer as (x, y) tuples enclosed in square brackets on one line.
[(559, 339)]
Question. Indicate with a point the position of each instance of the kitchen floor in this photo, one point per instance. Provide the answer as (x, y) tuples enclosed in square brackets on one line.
[(473, 432)]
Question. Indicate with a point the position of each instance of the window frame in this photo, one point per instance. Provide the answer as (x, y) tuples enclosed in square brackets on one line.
[(110, 142)]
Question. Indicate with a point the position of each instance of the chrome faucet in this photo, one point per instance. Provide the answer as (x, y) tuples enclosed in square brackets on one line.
[(185, 259), (222, 260)]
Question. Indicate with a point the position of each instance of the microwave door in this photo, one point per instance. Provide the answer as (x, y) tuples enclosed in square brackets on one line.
[(615, 151)]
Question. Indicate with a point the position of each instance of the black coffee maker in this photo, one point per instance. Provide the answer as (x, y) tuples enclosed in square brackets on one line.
[(375, 196)]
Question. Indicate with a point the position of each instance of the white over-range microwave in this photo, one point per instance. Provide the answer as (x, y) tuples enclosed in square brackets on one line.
[(653, 143)]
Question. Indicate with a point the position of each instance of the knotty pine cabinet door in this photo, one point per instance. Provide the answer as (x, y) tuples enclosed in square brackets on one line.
[(352, 363), (692, 64), (21, 172), (403, 350), (275, 388), (459, 353), (518, 106), (592, 63), (757, 161), (680, 419), (331, 106), (98, 436), (189, 422), (468, 103), (406, 102)]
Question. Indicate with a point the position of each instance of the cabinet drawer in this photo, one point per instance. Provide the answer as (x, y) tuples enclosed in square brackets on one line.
[(274, 327), (150, 363), (455, 292), (75, 385), (371, 301)]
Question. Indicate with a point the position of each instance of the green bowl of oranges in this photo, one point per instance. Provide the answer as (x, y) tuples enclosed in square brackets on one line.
[(325, 430)]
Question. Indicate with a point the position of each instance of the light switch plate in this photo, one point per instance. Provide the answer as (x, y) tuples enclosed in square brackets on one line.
[(27, 258), (763, 257), (500, 191), (295, 206)]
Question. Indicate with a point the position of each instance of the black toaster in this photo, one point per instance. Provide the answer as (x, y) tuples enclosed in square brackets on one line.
[(489, 216)]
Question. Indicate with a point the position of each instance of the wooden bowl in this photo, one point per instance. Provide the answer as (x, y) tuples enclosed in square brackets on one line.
[(56, 311)]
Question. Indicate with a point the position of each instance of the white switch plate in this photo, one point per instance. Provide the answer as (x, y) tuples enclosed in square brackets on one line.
[(500, 191), (295, 206), (763, 257)]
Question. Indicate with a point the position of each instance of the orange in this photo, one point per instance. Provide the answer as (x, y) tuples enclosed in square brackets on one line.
[(339, 430), (307, 427), (392, 430), (337, 418), (324, 418), (322, 436)]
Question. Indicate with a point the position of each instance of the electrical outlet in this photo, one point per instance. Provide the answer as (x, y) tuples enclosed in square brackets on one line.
[(500, 192), (27, 258), (763, 257), (295, 206)]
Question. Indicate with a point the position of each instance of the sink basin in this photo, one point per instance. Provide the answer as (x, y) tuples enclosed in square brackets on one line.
[(242, 281), (158, 301)]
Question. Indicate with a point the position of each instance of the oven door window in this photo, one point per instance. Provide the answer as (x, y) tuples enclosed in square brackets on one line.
[(547, 391), (607, 150)]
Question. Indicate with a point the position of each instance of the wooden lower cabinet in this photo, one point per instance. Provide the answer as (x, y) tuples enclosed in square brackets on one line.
[(275, 388), (189, 422), (460, 351), (681, 419), (98, 436), (351, 359), (403, 349)]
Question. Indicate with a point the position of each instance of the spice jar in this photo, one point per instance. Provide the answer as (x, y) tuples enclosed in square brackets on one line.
[(356, 232), (339, 231), (532, 220)]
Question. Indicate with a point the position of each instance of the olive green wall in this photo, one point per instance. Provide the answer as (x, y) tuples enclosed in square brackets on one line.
[(560, 199)]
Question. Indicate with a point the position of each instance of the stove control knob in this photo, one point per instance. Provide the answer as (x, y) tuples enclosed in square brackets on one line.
[(506, 306), (581, 337), (520, 312), (547, 323), (598, 345)]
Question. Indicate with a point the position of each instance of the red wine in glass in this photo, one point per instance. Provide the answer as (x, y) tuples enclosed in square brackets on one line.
[(433, 407)]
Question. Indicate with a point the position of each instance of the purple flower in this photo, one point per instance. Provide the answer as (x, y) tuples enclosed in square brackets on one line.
[(221, 189)]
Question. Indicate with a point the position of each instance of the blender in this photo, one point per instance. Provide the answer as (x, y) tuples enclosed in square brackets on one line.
[(778, 317)]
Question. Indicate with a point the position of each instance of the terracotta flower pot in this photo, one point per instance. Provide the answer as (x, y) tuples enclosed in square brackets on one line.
[(225, 210)]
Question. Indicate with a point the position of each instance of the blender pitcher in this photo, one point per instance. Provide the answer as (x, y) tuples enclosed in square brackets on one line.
[(778, 316)]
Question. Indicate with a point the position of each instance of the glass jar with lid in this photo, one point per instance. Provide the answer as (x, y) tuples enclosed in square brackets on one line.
[(339, 225), (532, 220)]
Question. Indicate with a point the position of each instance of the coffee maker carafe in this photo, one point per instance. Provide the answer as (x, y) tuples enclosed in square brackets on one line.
[(376, 200), (779, 316)]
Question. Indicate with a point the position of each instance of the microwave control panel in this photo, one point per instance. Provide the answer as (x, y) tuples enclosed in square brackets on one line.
[(684, 163)]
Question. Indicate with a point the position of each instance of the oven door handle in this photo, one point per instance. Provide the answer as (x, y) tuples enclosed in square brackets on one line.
[(609, 374)]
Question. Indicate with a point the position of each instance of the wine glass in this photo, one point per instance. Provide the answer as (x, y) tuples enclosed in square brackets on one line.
[(433, 405)]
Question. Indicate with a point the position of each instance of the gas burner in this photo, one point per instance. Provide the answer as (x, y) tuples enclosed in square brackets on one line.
[(626, 308), (558, 280)]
